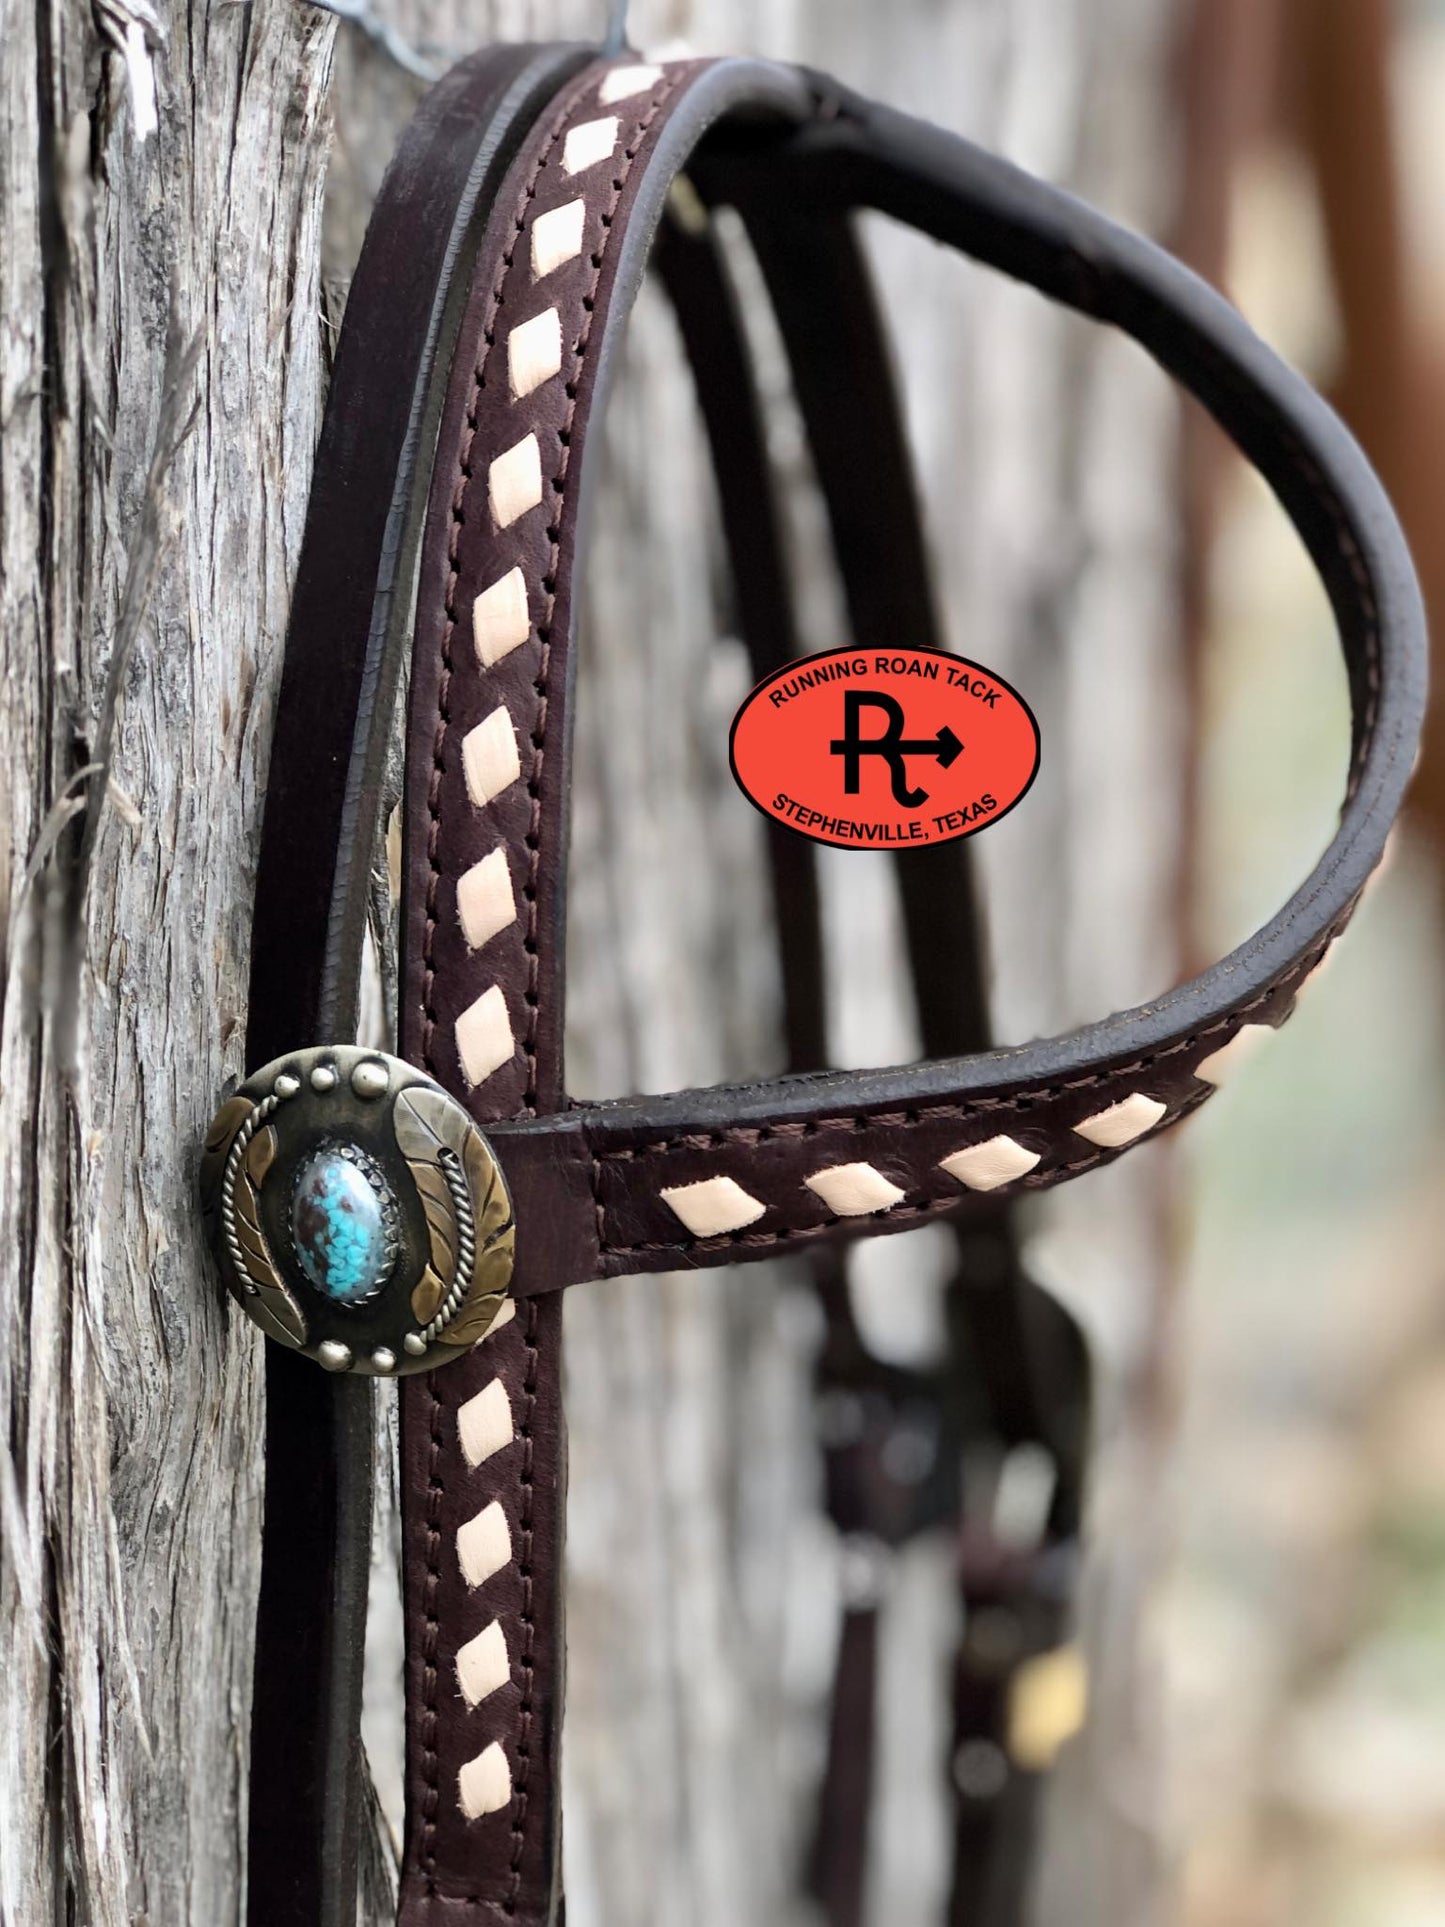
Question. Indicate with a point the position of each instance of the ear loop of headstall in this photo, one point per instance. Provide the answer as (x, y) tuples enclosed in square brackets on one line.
[(1015, 1374)]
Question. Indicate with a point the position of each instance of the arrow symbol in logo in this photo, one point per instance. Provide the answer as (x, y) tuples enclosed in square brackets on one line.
[(943, 747), (853, 746)]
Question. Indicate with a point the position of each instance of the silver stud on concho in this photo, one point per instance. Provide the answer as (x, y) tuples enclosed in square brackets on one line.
[(356, 1212), (369, 1079)]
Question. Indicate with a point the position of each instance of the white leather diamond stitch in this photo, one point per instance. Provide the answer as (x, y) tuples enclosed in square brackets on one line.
[(484, 1545), (853, 1190), (534, 352), (1224, 1062), (484, 1037), (483, 1666), (588, 144), (490, 760), (557, 238), (484, 1784), (984, 1167), (500, 618), (485, 901), (623, 82), (712, 1207), (484, 1423), (514, 481), (1121, 1123)]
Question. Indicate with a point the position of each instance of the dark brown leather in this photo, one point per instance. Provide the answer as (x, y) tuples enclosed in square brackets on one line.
[(348, 625), (503, 1865), (592, 1179)]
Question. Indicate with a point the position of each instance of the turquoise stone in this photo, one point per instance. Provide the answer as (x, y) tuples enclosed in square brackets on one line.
[(338, 1223)]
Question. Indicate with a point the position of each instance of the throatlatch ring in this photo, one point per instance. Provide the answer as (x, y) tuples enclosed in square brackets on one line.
[(356, 1211)]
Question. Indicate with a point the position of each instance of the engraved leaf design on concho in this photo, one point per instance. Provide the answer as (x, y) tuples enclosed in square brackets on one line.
[(496, 1236), (274, 1308), (224, 1126), (447, 1156)]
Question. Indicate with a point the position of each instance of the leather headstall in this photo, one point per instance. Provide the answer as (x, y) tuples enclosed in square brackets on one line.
[(417, 1214)]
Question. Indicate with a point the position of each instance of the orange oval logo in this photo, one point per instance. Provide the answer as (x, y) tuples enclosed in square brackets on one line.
[(884, 749)]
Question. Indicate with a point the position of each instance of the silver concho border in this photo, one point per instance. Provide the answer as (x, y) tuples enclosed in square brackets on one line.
[(398, 1125)]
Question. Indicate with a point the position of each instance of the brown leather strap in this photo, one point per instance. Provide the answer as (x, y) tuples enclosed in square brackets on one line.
[(483, 1827), (333, 722)]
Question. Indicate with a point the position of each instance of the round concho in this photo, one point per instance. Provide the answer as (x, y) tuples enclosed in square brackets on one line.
[(357, 1212)]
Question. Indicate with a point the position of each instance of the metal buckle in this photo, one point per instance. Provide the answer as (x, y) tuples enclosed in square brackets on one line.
[(357, 1213)]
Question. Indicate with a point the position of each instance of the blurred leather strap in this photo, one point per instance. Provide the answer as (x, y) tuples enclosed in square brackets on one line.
[(477, 351), (1007, 1379)]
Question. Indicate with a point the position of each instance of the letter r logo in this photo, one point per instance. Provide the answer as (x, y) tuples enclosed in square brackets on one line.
[(853, 746)]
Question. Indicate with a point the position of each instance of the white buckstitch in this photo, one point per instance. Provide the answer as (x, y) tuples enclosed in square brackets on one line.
[(557, 237), (984, 1167), (853, 1190), (490, 761), (534, 352), (1122, 1123), (483, 1665), (712, 1206), (514, 481), (484, 1545), (588, 144), (623, 82), (484, 1037), (484, 1423), (484, 1784), (485, 903), (501, 621)]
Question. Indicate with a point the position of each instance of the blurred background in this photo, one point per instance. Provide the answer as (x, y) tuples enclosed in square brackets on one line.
[(1300, 1630)]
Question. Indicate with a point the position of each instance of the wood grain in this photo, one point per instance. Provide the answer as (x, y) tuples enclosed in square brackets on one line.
[(131, 1418)]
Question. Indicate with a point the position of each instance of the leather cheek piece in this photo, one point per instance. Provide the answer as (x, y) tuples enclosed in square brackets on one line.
[(325, 797)]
